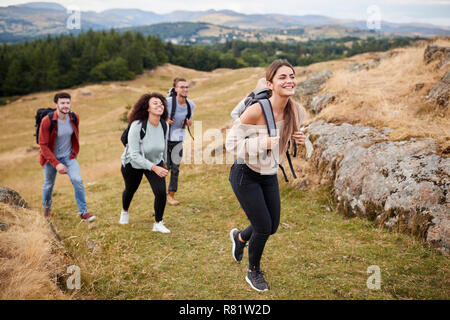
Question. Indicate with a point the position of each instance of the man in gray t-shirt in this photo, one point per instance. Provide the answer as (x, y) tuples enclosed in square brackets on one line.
[(59, 146), (177, 132)]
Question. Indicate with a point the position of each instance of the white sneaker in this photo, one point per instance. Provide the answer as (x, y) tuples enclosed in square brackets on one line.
[(124, 216), (159, 226)]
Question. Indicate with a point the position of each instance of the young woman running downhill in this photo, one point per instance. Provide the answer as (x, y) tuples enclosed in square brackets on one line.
[(147, 156), (253, 176)]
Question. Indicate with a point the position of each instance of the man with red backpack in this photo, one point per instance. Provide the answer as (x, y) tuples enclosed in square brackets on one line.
[(58, 138)]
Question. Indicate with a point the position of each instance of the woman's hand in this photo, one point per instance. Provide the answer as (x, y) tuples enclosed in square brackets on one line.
[(298, 137), (161, 172)]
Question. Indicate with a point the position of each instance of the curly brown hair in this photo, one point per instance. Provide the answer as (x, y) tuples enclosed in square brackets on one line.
[(140, 108)]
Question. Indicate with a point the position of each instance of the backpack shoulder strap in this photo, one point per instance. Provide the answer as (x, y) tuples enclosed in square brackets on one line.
[(74, 118), (164, 126), (173, 94), (143, 128), (268, 115), (189, 110), (52, 122)]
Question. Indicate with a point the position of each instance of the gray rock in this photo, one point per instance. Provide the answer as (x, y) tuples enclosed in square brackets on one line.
[(12, 197), (3, 226), (440, 92), (355, 67), (434, 52), (330, 142), (400, 185), (318, 103), (418, 86), (312, 84)]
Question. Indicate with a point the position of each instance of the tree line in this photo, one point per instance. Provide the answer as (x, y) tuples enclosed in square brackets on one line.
[(65, 61)]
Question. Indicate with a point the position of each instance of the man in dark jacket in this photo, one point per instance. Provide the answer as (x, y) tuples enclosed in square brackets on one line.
[(59, 148)]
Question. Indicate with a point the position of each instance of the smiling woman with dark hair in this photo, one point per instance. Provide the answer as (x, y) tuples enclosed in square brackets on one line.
[(146, 155), (253, 179)]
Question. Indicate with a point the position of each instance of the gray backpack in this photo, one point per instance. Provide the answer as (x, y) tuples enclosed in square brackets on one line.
[(262, 97)]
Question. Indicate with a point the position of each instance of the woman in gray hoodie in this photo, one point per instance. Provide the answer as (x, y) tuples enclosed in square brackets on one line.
[(147, 156)]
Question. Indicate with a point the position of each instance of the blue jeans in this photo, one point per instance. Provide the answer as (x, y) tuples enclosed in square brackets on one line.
[(74, 173)]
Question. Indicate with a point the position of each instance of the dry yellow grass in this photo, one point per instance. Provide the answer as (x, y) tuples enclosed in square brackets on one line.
[(30, 258), (385, 97)]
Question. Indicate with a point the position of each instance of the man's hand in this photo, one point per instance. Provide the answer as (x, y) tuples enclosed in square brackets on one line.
[(188, 122), (161, 172), (170, 122), (62, 169)]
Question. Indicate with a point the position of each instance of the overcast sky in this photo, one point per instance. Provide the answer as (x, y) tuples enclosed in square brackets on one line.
[(432, 11)]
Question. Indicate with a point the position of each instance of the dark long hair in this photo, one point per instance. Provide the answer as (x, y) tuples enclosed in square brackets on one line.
[(140, 108), (291, 112)]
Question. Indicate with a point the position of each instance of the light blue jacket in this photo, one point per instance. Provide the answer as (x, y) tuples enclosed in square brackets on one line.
[(151, 151)]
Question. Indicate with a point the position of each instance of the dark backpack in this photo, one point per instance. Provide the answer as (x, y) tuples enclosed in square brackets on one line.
[(262, 97), (173, 95), (42, 113), (124, 137)]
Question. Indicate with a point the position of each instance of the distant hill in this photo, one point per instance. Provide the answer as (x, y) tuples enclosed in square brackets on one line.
[(31, 20)]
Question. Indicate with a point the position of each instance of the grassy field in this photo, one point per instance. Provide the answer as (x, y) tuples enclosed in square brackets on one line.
[(316, 253)]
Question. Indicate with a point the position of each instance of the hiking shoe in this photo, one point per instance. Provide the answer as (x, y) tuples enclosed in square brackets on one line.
[(256, 280), (87, 217), (171, 200), (47, 213), (124, 217), (238, 246), (160, 227)]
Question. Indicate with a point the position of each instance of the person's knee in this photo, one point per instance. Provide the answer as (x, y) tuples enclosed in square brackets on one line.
[(161, 193), (77, 181), (264, 231), (274, 229)]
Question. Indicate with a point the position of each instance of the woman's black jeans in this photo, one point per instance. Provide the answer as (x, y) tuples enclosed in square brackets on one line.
[(259, 196), (133, 177)]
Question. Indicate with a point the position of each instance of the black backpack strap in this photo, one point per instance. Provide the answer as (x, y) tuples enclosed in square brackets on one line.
[(164, 126), (188, 116), (189, 110), (143, 128), (173, 94), (284, 173), (52, 122), (290, 164), (74, 118)]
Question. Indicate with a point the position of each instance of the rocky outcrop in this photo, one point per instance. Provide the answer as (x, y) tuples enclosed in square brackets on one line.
[(355, 67), (434, 52), (12, 197), (400, 185), (311, 85), (440, 92), (318, 103), (306, 92)]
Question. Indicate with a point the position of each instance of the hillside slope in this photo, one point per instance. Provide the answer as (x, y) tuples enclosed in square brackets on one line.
[(316, 253)]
